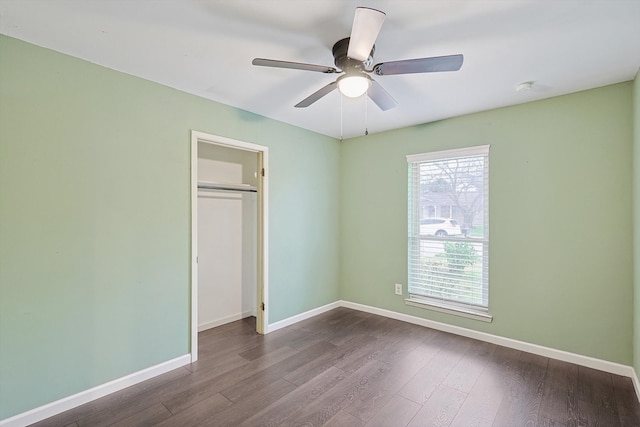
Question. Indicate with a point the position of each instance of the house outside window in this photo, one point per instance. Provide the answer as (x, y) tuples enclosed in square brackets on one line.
[(449, 231)]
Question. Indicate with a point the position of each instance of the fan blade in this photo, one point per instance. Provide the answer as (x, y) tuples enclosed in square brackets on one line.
[(420, 65), (381, 97), (317, 95), (293, 65), (366, 26)]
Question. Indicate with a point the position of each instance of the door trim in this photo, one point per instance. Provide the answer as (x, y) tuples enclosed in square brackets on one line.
[(263, 230)]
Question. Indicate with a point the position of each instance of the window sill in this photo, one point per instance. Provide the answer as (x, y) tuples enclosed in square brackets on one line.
[(449, 309)]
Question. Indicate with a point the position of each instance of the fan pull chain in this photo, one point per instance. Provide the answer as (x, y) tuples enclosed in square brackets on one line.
[(341, 95), (366, 114)]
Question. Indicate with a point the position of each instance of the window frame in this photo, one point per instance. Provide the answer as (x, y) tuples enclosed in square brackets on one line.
[(464, 309)]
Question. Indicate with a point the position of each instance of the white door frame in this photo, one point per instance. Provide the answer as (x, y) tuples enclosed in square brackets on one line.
[(263, 230)]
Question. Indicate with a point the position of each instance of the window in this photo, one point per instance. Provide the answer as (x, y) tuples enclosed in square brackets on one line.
[(449, 231)]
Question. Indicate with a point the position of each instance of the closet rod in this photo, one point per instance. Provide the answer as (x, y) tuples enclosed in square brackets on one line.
[(228, 187)]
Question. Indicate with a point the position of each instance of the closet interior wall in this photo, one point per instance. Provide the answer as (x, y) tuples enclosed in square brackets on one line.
[(227, 236)]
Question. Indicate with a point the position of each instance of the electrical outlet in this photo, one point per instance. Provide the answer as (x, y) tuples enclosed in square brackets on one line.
[(398, 288)]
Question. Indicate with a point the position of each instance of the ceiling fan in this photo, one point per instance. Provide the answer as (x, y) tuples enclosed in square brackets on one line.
[(353, 55)]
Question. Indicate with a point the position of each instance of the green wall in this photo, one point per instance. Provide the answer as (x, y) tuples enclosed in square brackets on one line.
[(560, 219), (95, 217), (636, 223)]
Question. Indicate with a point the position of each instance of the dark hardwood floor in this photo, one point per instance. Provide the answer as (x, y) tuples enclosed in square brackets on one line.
[(349, 368)]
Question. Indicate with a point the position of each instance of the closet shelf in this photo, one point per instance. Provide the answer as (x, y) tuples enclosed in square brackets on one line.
[(205, 185)]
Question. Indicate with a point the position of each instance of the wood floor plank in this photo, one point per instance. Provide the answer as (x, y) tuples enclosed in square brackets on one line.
[(396, 412), (344, 419), (546, 422), (427, 380), (216, 365), (270, 342), (332, 321), (310, 338), (328, 359), (345, 317), (592, 384), (479, 409), (148, 417), (335, 332), (401, 344), (362, 326), (521, 404), (211, 344), (322, 410), (627, 401), (385, 386), (559, 398), (596, 399), (464, 375), (389, 328), (260, 399), (225, 345), (264, 378), (481, 405), (198, 389), (440, 409), (360, 356), (290, 404), (198, 413)]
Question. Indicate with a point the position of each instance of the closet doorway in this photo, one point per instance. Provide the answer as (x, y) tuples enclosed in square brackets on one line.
[(228, 233)]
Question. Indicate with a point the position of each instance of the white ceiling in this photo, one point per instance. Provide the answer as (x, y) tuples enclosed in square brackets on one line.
[(206, 47)]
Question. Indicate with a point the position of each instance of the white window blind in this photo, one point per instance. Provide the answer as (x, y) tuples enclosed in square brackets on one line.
[(449, 228)]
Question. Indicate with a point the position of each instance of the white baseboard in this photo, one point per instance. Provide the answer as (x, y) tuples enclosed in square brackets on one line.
[(223, 321), (578, 359), (302, 316), (83, 397)]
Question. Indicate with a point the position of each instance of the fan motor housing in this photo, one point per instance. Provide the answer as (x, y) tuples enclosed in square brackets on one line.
[(343, 62)]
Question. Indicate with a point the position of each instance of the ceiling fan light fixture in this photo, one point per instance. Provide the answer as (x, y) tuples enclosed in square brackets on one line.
[(353, 56), (354, 85)]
